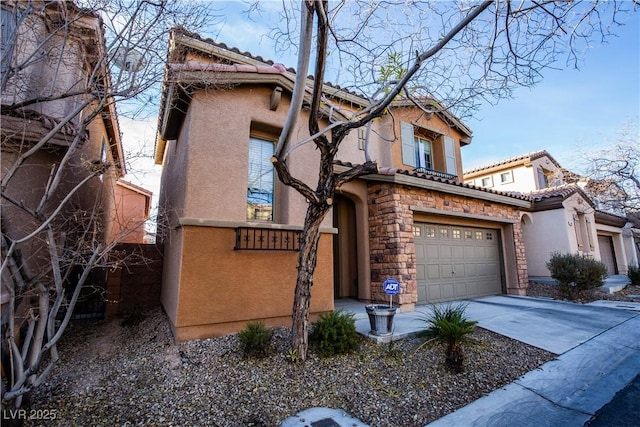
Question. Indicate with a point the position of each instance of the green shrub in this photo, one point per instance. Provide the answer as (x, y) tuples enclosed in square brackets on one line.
[(449, 326), (255, 339), (576, 273), (334, 333), (634, 275)]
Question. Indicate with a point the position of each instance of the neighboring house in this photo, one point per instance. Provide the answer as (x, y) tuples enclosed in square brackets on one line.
[(562, 217), (526, 173), (132, 205), (49, 51), (231, 239)]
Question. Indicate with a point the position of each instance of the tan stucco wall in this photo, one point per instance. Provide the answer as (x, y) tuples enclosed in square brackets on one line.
[(221, 289), (379, 147), (555, 231), (207, 166), (30, 180), (171, 270), (633, 257)]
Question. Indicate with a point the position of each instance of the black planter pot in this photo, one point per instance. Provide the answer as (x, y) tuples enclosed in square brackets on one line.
[(381, 318)]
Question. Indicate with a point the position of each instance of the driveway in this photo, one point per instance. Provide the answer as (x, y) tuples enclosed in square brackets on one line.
[(555, 326)]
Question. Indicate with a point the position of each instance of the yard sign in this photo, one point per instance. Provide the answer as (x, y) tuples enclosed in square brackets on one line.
[(391, 287)]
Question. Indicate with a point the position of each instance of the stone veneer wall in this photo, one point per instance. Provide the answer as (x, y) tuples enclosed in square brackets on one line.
[(391, 234)]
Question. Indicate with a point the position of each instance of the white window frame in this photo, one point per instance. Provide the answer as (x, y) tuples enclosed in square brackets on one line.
[(506, 177), (423, 151), (489, 181)]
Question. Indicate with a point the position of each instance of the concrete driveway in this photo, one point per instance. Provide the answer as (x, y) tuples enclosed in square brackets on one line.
[(555, 326)]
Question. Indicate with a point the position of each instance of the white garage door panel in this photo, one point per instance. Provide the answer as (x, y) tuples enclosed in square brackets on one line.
[(456, 262)]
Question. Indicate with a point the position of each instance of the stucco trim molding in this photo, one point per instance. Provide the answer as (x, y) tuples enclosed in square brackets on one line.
[(205, 222), (434, 211)]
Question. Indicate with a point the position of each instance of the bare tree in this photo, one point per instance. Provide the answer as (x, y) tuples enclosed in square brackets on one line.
[(458, 53), (611, 175), (65, 66)]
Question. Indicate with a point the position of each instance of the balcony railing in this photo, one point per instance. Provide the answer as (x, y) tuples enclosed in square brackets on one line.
[(269, 239), (436, 173)]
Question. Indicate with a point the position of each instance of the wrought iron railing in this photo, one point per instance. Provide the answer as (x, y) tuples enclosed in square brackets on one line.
[(269, 239), (436, 173)]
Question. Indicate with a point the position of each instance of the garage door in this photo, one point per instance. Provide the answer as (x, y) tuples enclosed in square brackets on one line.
[(607, 255), (456, 262)]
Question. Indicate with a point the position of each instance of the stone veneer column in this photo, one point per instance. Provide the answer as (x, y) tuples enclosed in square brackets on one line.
[(392, 251), (521, 261)]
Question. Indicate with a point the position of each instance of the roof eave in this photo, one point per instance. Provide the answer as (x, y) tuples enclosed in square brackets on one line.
[(459, 189)]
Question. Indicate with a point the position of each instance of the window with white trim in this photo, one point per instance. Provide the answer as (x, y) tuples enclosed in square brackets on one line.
[(417, 150), (506, 177), (487, 182), (7, 37), (422, 147)]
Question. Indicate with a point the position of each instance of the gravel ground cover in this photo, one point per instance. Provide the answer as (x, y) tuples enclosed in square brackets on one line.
[(111, 374), (114, 375)]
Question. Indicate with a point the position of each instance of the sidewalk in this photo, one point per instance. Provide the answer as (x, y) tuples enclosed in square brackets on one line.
[(599, 354)]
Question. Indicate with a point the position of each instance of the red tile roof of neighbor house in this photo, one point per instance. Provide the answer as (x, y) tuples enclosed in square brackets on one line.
[(612, 219), (563, 191), (518, 159)]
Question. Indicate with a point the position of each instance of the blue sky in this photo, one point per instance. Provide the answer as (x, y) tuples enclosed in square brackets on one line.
[(571, 108)]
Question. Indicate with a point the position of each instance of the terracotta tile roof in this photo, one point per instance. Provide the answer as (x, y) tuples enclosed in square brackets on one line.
[(249, 55), (612, 218), (563, 191), (182, 30), (426, 176), (523, 157), (400, 101)]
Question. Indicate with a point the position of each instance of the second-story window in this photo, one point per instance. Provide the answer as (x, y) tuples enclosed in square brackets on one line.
[(7, 38), (260, 184), (423, 153), (544, 178)]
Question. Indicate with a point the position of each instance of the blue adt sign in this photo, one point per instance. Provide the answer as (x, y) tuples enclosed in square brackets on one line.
[(391, 286)]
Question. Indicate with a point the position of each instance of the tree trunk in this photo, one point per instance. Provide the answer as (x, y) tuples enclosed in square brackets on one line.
[(454, 359), (307, 259)]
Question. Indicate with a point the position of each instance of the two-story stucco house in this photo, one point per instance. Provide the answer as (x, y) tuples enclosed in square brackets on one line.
[(232, 227), (562, 217), (52, 65)]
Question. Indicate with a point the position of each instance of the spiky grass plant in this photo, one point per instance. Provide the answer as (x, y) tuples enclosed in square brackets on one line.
[(448, 325)]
